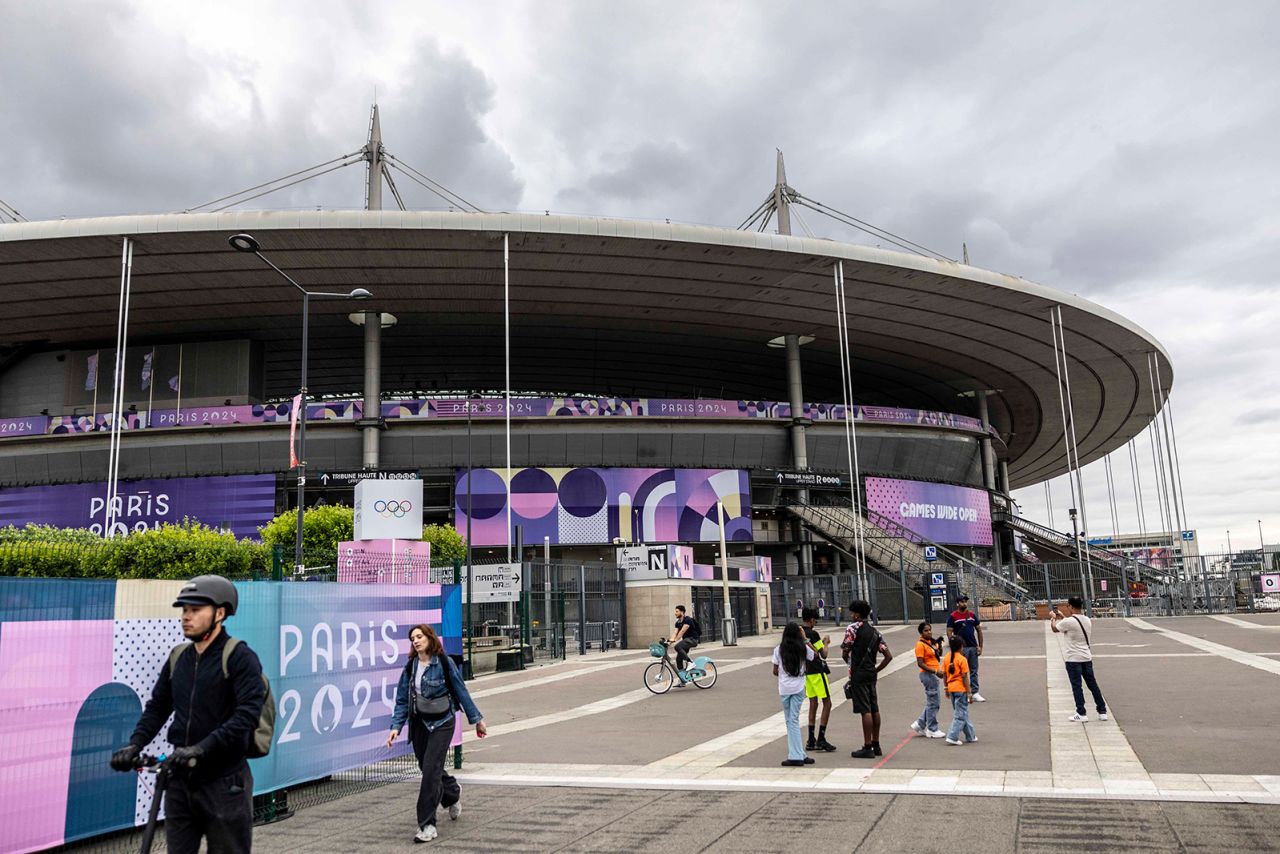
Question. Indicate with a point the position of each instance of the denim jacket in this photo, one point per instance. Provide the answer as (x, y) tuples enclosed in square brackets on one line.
[(434, 675)]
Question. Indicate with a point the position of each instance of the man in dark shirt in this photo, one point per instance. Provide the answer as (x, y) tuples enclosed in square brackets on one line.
[(965, 624), (685, 636), (816, 685), (215, 698), (861, 644)]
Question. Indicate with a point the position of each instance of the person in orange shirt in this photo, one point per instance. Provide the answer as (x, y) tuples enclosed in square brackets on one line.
[(955, 668), (930, 672)]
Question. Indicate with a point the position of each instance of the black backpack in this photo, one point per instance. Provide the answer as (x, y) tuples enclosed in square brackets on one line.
[(264, 732)]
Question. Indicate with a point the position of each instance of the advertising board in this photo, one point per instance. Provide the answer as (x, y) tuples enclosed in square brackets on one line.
[(952, 515)]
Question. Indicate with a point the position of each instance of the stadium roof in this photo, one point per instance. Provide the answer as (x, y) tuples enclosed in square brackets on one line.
[(598, 306)]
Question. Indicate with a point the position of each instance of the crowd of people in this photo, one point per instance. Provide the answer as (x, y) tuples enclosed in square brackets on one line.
[(950, 666)]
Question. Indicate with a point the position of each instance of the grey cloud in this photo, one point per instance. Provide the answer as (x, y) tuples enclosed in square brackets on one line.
[(1270, 415)]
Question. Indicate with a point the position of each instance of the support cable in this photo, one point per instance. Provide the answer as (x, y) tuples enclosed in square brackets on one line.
[(435, 186), (278, 180), (386, 173), (1075, 450), (764, 208), (1136, 477), (9, 211), (1171, 511), (1111, 496), (861, 225)]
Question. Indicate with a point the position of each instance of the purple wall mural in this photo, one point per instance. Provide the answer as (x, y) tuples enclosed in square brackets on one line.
[(955, 515), (242, 503), (595, 505)]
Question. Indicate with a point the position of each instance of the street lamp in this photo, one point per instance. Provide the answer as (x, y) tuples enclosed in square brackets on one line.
[(471, 396), (248, 243)]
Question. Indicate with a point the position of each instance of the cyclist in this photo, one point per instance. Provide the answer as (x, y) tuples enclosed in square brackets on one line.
[(684, 637), (214, 716)]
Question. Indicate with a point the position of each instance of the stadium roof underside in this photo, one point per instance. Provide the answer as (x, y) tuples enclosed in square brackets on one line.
[(598, 306)]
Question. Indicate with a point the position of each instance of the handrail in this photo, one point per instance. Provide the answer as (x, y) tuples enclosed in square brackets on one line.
[(1115, 560), (892, 529)]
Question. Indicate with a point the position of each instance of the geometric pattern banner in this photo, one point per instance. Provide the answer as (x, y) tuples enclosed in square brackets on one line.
[(79, 659), (595, 505)]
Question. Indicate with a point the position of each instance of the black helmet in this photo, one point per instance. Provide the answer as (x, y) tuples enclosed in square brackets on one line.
[(208, 590)]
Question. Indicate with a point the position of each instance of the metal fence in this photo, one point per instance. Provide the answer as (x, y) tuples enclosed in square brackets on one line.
[(1208, 584), (891, 599)]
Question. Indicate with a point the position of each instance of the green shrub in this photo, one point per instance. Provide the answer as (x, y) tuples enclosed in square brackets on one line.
[(446, 543), (323, 528)]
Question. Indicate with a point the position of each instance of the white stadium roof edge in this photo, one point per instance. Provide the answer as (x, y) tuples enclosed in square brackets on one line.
[(666, 306)]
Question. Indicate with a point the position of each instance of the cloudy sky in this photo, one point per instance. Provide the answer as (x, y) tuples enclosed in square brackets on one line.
[(1124, 152)]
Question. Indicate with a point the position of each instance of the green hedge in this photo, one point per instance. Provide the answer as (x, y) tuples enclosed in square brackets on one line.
[(180, 550)]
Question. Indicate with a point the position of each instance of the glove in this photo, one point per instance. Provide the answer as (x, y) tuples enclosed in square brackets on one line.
[(187, 756), (124, 758)]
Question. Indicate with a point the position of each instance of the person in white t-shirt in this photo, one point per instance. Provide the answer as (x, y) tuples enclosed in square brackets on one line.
[(789, 658), (1076, 628)]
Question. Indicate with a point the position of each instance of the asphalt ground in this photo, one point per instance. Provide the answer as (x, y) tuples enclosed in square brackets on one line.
[(583, 758)]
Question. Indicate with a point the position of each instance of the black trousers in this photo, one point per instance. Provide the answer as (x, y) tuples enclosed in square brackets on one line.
[(220, 810), (682, 651), (439, 788)]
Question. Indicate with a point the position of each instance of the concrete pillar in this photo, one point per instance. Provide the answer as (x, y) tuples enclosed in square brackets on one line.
[(1004, 478), (988, 452), (371, 423), (799, 451)]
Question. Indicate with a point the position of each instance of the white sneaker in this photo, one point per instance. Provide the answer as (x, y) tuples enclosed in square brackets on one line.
[(973, 740), (978, 698), (935, 733), (1080, 719), (426, 834), (916, 728), (954, 741), (1102, 716), (455, 811)]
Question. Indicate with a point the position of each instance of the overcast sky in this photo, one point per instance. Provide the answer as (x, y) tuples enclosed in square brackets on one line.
[(1124, 152)]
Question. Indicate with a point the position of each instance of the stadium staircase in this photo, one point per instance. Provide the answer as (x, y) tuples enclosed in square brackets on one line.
[(888, 546), (1104, 562)]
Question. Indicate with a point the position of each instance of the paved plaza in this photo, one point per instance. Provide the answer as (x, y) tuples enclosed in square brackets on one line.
[(582, 757)]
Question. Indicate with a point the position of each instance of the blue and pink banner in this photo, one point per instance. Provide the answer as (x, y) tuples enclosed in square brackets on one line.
[(953, 515), (78, 660), (597, 505), (238, 503)]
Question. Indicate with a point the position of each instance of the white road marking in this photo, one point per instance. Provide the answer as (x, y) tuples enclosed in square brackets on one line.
[(1242, 623), (545, 680), (1229, 653), (1091, 755), (1210, 788), (600, 706)]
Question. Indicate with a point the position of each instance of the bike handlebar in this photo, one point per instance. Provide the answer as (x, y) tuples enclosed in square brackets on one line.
[(147, 761)]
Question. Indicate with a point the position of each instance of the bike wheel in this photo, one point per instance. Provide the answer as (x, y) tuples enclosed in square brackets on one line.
[(708, 678), (658, 677)]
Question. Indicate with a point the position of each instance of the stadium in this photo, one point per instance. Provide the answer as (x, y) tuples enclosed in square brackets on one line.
[(654, 369)]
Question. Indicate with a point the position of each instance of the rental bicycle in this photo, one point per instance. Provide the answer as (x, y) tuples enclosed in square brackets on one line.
[(661, 675)]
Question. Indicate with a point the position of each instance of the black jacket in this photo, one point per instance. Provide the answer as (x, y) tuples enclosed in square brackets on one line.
[(214, 712)]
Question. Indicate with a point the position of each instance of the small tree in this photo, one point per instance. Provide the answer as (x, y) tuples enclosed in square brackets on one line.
[(446, 543), (323, 528)]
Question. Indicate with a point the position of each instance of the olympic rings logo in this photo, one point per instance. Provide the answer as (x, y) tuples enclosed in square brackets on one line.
[(387, 509)]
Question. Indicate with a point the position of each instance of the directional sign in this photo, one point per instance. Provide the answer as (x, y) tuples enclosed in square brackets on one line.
[(808, 480), (930, 552), (494, 583), (352, 477), (1188, 535), (937, 579)]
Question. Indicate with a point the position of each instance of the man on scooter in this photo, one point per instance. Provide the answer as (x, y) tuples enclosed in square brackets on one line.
[(215, 700)]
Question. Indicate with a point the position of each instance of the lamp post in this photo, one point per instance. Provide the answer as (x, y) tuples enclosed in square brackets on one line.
[(471, 396), (247, 243), (1075, 536), (1262, 550)]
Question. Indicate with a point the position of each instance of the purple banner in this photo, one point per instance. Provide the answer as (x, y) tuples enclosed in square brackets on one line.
[(240, 503), (954, 515), (595, 505), (489, 407), (36, 425)]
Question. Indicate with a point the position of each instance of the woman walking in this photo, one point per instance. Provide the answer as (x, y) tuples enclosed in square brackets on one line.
[(956, 666), (430, 692), (789, 658)]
